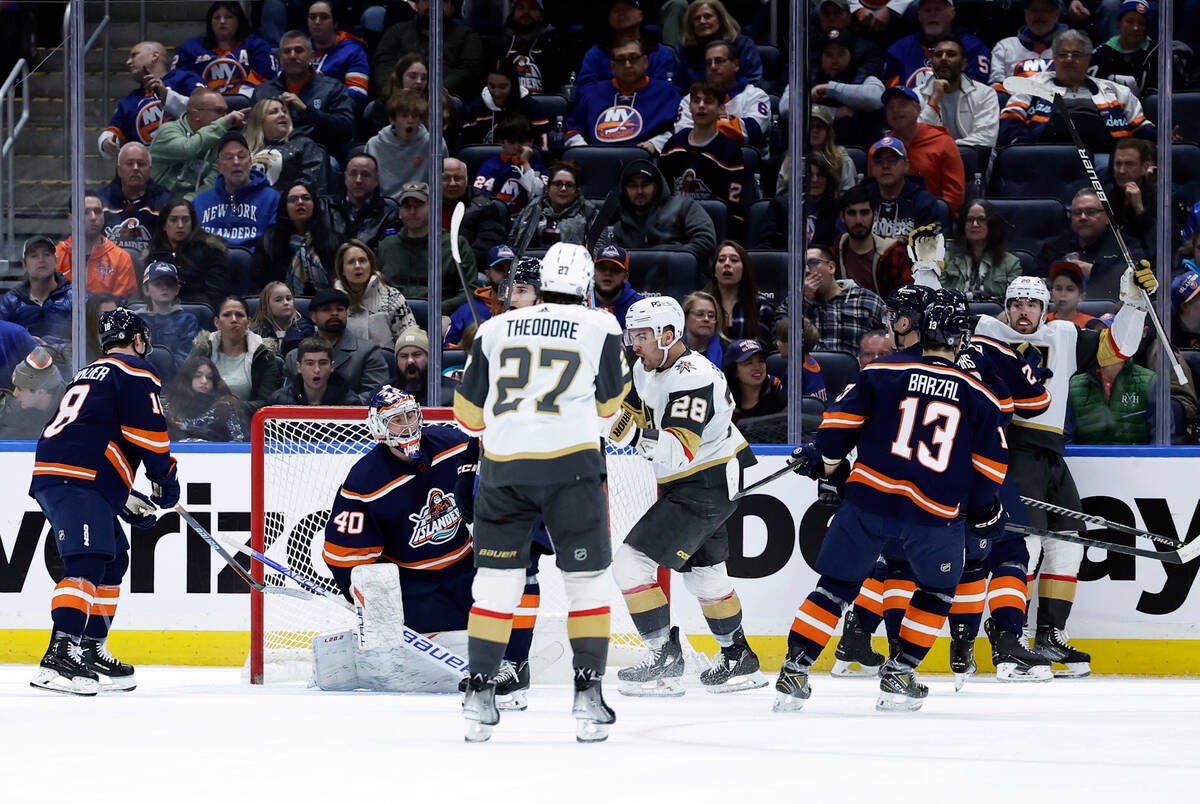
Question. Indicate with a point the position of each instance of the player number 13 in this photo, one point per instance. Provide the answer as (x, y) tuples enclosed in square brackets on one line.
[(938, 458)]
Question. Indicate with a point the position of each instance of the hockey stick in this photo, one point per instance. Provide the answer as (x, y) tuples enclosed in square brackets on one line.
[(787, 469), (603, 218), (426, 648), (1181, 556), (1027, 86), (1174, 544), (456, 219), (257, 586)]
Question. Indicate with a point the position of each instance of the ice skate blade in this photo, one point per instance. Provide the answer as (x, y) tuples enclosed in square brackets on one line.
[(787, 703), (1074, 670), (752, 681), (672, 688), (125, 684), (897, 702), (1007, 672), (843, 669), (517, 701), (960, 681), (591, 731), (52, 681), (477, 732)]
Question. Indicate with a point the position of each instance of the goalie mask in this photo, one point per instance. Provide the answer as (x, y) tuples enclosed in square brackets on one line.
[(1029, 287), (394, 418), (567, 269)]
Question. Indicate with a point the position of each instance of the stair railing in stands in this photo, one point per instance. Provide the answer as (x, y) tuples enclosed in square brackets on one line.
[(10, 127)]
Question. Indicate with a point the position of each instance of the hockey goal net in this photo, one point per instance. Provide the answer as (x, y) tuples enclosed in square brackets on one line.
[(299, 458)]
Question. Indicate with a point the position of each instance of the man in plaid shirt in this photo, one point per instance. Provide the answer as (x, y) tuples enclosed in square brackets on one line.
[(842, 311)]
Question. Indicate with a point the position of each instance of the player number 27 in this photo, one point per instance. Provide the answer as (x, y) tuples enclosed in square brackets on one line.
[(523, 357), (937, 458)]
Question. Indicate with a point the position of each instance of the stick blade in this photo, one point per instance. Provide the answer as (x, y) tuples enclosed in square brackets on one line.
[(456, 219), (1020, 85)]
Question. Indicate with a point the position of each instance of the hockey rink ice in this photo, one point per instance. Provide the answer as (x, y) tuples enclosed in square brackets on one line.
[(203, 735)]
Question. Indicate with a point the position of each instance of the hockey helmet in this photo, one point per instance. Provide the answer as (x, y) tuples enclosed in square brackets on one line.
[(657, 313), (390, 404), (908, 301), (962, 311), (567, 269), (1029, 287), (526, 271), (941, 325), (119, 326)]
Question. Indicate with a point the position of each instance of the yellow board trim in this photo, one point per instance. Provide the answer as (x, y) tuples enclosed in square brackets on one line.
[(197, 648)]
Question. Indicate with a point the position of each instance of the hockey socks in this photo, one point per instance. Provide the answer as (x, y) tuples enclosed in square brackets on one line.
[(588, 631), (923, 620), (100, 617), (70, 605), (1056, 594), (488, 633), (868, 606), (524, 621), (1007, 597), (969, 597), (898, 590), (650, 611), (724, 617), (817, 620)]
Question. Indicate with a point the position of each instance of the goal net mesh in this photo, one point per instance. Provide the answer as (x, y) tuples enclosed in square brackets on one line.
[(304, 459)]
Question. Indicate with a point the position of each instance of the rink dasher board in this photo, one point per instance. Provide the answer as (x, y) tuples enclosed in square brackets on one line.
[(173, 610)]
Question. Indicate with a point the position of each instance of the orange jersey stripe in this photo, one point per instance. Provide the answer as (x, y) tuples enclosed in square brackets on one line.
[(441, 456), (436, 563), (153, 440), (137, 372), (117, 459), (374, 495), (63, 469), (888, 485)]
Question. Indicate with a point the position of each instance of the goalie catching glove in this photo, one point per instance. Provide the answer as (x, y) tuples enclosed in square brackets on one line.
[(927, 250), (139, 511), (1134, 281)]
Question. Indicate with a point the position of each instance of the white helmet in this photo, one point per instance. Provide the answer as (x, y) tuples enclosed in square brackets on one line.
[(657, 313), (567, 268), (1029, 287)]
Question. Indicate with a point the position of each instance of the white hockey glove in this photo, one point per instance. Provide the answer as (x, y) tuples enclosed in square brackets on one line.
[(646, 442), (1134, 281), (927, 250), (139, 511)]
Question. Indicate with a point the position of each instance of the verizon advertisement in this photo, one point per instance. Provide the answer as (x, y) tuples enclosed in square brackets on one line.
[(177, 583)]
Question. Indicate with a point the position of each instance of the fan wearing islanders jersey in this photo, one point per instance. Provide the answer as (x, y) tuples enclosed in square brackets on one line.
[(631, 109), (409, 501), (228, 58), (930, 453), (108, 423), (161, 95)]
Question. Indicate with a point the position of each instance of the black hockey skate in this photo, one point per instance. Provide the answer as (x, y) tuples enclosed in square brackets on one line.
[(854, 655), (899, 689), (593, 717), (659, 675), (111, 669), (1013, 659), (962, 654), (1052, 643), (735, 668), (479, 708), (791, 688), (63, 669), (512, 686)]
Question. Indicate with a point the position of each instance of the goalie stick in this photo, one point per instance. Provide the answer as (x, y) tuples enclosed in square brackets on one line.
[(1174, 544), (421, 645), (456, 219), (1017, 85), (1180, 556), (257, 586)]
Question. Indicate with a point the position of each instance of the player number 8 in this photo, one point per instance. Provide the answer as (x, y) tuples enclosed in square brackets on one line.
[(68, 410), (690, 407)]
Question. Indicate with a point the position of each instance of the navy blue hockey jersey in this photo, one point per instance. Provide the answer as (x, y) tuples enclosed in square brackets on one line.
[(411, 514), (928, 435), (1008, 375), (714, 171), (230, 72), (108, 423), (601, 115), (140, 113)]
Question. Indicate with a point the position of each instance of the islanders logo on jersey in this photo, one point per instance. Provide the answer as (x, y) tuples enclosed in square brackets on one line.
[(528, 72), (225, 75), (149, 117), (437, 522), (691, 185), (618, 124), (130, 233)]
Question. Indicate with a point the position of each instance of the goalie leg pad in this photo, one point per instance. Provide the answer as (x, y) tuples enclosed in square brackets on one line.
[(398, 669), (334, 661), (375, 589)]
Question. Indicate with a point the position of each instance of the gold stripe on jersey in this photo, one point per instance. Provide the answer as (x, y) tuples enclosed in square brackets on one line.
[(468, 413), (693, 470), (558, 453), (689, 439), (646, 600), (608, 407), (1035, 426)]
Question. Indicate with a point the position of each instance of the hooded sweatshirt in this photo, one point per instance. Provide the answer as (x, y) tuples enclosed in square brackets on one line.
[(915, 206), (239, 218), (668, 223), (400, 161), (933, 155)]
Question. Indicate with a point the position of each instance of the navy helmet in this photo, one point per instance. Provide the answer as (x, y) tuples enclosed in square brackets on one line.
[(119, 326)]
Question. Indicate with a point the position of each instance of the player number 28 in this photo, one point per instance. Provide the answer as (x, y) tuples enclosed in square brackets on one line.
[(938, 458), (689, 407), (547, 358)]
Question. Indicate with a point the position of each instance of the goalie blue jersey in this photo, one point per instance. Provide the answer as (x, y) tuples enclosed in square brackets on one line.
[(108, 423), (412, 514), (930, 444)]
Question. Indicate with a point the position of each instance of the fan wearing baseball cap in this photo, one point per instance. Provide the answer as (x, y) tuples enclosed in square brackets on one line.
[(932, 152), (901, 201), (486, 299), (1185, 310), (1130, 57), (1068, 287), (612, 289)]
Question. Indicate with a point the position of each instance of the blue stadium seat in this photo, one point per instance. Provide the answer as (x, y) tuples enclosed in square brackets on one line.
[(984, 308), (859, 157), (420, 311), (1032, 222), (204, 314), (752, 161), (756, 220), (602, 166), (476, 155), (453, 357), (1096, 307), (973, 168), (1048, 171), (812, 410), (554, 106), (773, 80), (837, 370), (240, 262), (1185, 172), (671, 273), (771, 272), (777, 365), (1185, 113), (1192, 358), (301, 303), (1029, 266), (719, 213)]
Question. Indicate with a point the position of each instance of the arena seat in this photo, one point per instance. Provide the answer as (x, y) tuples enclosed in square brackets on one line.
[(1185, 170), (973, 167), (773, 81), (474, 156), (1192, 358), (420, 311), (1096, 307), (719, 213), (1032, 222), (1029, 263), (240, 269), (756, 221), (771, 272), (671, 273), (1185, 113), (602, 166), (984, 308), (1048, 171), (203, 313), (838, 369), (777, 365), (859, 157), (554, 106)]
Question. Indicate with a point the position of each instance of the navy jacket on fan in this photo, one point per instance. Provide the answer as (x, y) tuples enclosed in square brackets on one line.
[(915, 206), (412, 514), (928, 437), (602, 116), (109, 422), (140, 113)]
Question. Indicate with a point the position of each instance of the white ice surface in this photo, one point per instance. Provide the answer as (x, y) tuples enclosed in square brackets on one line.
[(201, 735)]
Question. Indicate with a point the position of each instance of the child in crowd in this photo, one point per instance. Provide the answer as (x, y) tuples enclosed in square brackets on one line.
[(170, 327), (401, 148), (1068, 287), (515, 177), (278, 318)]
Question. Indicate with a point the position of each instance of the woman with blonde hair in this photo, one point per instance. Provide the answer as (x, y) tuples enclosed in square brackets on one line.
[(378, 311), (703, 322), (277, 154), (709, 21)]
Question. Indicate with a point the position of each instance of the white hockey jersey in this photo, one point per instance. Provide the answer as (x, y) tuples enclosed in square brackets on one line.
[(532, 387), (1011, 56), (691, 407), (747, 106)]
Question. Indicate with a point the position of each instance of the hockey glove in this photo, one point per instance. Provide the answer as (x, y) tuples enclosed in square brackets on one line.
[(807, 461), (927, 250), (988, 524), (831, 489), (165, 489), (139, 511), (646, 441), (1136, 280)]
